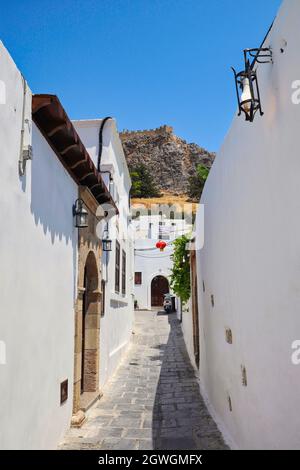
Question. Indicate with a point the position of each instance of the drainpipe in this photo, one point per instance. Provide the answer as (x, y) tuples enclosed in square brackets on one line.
[(25, 153), (106, 258), (101, 141), (110, 177)]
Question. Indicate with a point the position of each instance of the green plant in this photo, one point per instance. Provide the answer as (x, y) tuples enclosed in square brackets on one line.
[(180, 276), (142, 182), (197, 181)]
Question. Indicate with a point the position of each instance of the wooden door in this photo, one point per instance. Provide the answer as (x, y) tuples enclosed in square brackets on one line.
[(159, 287)]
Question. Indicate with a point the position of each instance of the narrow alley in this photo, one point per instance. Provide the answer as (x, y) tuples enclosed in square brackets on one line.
[(153, 400)]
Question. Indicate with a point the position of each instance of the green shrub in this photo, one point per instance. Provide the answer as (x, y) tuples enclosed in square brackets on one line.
[(197, 181), (142, 183), (180, 276)]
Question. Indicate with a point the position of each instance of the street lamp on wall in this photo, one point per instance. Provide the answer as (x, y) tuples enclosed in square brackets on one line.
[(246, 84), (106, 241), (106, 244), (80, 214)]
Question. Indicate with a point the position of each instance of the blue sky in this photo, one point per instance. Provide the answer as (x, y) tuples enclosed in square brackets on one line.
[(145, 62)]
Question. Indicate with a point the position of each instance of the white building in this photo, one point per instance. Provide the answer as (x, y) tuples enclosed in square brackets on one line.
[(51, 329), (248, 270), (38, 246), (152, 266), (117, 277)]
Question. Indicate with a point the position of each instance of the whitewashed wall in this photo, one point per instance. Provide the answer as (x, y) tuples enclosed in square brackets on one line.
[(187, 330), (150, 265), (37, 278), (148, 259), (150, 268), (116, 325), (250, 260)]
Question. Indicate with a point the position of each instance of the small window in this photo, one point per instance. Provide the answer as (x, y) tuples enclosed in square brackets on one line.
[(138, 279), (117, 268), (63, 391), (123, 272)]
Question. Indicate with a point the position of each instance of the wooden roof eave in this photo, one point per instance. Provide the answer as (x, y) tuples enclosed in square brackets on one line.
[(55, 125)]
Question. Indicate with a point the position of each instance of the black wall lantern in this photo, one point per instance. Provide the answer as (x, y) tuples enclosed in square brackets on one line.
[(106, 244), (80, 214), (106, 241), (246, 83)]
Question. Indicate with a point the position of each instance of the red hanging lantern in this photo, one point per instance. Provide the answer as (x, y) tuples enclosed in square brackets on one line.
[(161, 245)]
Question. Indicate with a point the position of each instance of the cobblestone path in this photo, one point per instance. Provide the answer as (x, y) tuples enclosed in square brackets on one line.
[(153, 400)]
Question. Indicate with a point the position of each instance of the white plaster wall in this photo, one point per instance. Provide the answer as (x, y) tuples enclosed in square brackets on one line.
[(116, 325), (150, 264), (148, 259), (250, 260), (37, 278), (187, 330)]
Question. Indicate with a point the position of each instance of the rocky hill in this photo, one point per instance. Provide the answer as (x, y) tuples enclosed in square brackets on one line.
[(170, 159)]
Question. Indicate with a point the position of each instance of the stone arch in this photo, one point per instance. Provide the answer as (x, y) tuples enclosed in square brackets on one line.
[(159, 286), (148, 281), (90, 326), (87, 332)]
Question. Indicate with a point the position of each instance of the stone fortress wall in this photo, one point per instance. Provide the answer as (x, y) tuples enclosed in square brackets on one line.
[(159, 131)]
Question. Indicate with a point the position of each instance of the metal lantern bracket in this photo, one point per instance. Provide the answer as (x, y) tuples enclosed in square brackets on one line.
[(261, 55)]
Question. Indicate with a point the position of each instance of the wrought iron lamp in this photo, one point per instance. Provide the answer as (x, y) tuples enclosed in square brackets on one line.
[(247, 89), (81, 214), (106, 242)]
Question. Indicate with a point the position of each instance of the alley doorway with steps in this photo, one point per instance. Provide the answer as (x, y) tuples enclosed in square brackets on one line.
[(153, 400), (159, 287), (87, 338)]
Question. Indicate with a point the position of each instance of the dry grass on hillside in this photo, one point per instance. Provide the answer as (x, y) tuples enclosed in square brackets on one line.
[(166, 199)]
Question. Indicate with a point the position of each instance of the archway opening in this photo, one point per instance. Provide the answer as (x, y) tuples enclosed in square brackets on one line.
[(90, 327), (159, 287)]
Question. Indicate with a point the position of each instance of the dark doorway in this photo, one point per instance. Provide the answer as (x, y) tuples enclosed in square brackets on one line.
[(83, 334), (90, 327), (159, 287)]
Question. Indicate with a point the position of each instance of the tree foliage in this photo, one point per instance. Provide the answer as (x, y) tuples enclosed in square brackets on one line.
[(180, 276), (197, 181), (142, 183)]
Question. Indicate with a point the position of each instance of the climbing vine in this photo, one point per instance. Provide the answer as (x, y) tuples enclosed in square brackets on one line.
[(180, 276)]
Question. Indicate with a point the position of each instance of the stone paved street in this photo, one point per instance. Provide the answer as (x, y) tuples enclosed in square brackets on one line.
[(153, 400)]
